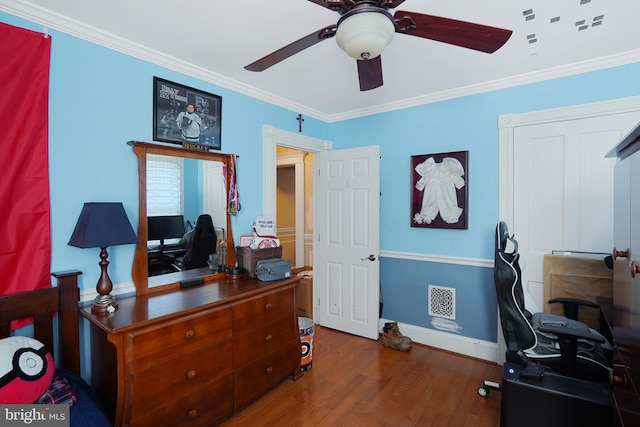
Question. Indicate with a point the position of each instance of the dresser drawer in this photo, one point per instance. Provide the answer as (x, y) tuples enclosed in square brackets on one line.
[(266, 308), (154, 345), (179, 376), (262, 340), (256, 378), (196, 407)]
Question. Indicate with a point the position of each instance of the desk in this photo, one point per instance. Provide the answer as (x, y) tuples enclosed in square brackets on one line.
[(166, 249), (553, 400), (161, 258)]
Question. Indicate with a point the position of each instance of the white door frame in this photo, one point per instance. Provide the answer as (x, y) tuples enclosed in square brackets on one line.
[(297, 161), (507, 124), (271, 137)]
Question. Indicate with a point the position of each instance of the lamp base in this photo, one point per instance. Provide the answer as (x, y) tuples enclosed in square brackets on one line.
[(104, 304)]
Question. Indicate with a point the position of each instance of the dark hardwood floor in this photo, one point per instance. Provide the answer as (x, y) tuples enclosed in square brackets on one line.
[(358, 382)]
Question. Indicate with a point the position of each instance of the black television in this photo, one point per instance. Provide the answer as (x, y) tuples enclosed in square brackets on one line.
[(165, 227)]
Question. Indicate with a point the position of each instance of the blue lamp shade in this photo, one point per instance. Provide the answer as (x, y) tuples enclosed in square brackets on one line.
[(101, 225)]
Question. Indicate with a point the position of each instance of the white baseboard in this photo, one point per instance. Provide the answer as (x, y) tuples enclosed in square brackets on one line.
[(466, 346)]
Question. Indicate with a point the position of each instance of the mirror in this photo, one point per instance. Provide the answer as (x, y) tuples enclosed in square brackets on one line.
[(179, 190), (201, 169)]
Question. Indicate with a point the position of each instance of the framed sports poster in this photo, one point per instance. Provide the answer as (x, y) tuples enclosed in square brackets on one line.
[(187, 116), (439, 190)]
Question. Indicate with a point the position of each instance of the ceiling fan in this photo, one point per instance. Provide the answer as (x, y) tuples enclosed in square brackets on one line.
[(366, 27)]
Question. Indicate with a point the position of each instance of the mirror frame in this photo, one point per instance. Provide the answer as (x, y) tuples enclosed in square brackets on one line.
[(139, 270)]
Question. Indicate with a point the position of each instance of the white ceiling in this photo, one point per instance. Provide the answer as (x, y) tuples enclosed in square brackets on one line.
[(214, 39)]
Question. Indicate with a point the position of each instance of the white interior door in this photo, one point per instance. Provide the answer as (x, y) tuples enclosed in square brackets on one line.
[(563, 190), (346, 265)]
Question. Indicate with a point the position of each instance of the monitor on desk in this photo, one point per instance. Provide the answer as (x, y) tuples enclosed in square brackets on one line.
[(165, 227)]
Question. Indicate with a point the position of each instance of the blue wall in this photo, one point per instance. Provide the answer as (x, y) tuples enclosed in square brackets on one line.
[(100, 99), (468, 123), (405, 288)]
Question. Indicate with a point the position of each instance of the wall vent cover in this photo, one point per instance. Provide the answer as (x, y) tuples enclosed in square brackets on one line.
[(442, 302)]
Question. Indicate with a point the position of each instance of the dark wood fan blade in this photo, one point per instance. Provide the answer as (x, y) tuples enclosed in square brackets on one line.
[(343, 6), (370, 73), (460, 33), (292, 48), (336, 5), (390, 4)]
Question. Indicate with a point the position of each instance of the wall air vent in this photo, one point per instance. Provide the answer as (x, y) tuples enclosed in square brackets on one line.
[(442, 302)]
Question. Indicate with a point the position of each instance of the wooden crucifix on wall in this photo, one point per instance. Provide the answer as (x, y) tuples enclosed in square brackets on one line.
[(300, 120)]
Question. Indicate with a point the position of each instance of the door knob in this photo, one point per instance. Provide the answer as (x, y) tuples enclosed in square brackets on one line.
[(371, 257), (621, 254), (635, 268)]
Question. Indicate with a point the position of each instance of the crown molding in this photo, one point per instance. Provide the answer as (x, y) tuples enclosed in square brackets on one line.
[(78, 29), (91, 34), (611, 61)]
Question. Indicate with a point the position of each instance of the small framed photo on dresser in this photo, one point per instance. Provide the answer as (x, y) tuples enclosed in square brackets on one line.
[(246, 240), (187, 116)]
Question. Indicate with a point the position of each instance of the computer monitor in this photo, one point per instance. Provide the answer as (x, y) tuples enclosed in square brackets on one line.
[(165, 227)]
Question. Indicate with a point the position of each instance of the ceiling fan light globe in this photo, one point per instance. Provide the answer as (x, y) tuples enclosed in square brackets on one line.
[(365, 35)]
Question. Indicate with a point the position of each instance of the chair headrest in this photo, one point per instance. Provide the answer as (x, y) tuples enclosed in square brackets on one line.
[(204, 221), (511, 247), (504, 242)]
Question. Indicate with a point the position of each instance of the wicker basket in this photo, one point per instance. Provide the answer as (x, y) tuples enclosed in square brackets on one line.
[(248, 258)]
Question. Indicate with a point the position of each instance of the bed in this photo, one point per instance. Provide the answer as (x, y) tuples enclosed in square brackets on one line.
[(55, 316)]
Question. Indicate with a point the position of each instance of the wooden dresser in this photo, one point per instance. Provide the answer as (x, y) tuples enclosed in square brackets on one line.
[(194, 356)]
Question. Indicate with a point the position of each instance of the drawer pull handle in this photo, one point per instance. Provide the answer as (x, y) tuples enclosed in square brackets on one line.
[(635, 268), (192, 413), (268, 306), (190, 334), (191, 374), (269, 370), (268, 338), (621, 254)]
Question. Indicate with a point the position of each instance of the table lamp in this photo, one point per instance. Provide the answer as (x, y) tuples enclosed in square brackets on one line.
[(101, 225)]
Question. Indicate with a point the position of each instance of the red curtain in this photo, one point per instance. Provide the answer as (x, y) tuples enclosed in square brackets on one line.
[(25, 231)]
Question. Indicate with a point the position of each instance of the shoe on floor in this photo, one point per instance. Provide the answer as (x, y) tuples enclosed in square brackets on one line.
[(391, 337)]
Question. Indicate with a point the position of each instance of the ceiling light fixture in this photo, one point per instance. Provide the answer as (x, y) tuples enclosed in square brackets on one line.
[(365, 31)]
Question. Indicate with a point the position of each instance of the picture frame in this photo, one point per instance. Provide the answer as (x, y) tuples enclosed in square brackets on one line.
[(199, 129), (245, 240), (439, 186)]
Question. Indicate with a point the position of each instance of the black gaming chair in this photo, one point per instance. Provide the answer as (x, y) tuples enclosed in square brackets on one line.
[(199, 243), (540, 340)]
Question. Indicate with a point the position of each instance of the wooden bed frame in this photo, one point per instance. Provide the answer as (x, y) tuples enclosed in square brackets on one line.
[(42, 305)]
